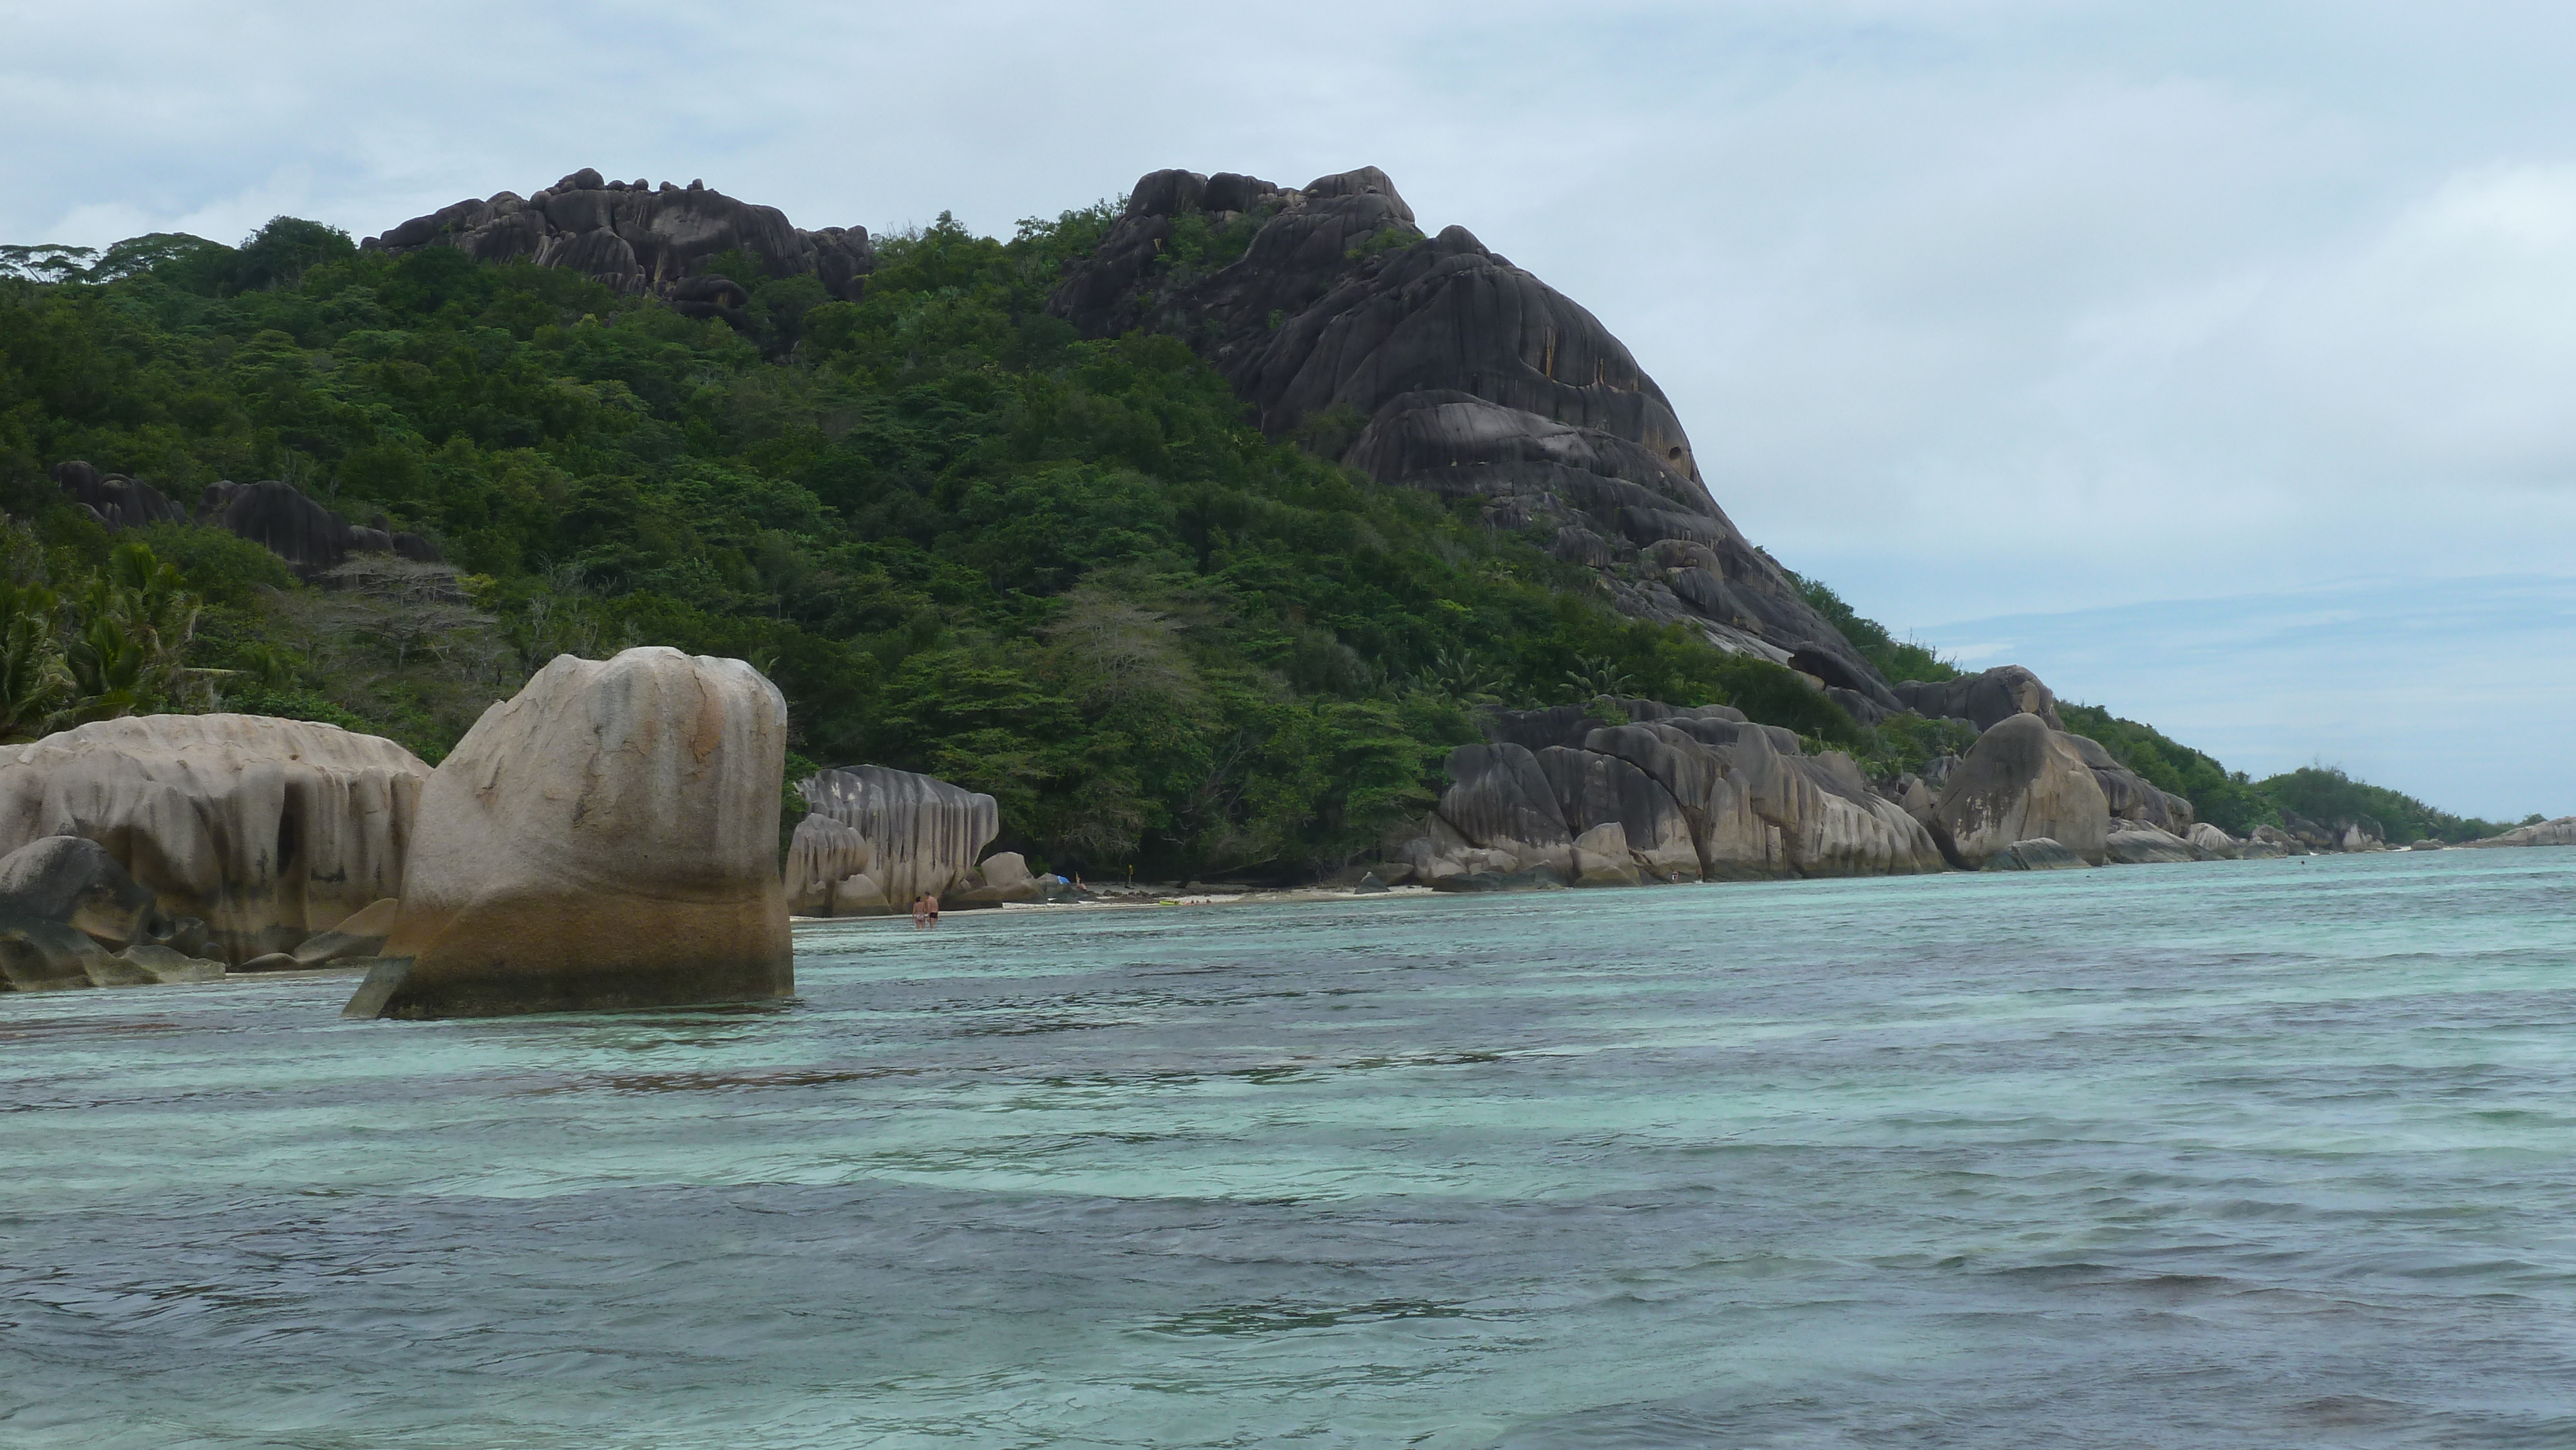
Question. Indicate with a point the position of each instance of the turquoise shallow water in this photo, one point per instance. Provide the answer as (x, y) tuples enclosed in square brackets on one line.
[(2240, 1154)]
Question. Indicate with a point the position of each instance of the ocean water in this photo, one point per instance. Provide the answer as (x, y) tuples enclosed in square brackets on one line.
[(2237, 1154)]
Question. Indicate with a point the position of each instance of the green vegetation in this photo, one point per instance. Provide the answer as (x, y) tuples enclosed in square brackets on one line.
[(1897, 659), (2325, 795), (961, 538), (2225, 799), (2237, 803)]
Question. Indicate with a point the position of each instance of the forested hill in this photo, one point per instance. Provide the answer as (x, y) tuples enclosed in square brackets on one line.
[(964, 536)]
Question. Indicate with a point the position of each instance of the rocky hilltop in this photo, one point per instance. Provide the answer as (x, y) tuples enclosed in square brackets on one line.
[(1458, 372), (1420, 359), (640, 239)]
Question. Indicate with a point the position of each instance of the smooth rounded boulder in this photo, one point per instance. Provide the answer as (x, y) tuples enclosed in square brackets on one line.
[(2022, 781), (606, 839)]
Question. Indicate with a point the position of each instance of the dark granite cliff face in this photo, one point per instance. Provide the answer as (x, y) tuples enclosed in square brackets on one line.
[(1431, 361), (640, 239)]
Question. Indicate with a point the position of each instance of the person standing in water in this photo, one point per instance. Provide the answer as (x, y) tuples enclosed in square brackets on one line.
[(921, 910)]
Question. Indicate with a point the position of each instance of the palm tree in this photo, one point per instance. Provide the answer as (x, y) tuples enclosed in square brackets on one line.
[(1594, 678), (35, 682)]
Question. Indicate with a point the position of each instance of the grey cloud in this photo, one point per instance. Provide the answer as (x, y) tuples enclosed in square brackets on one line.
[(1972, 308)]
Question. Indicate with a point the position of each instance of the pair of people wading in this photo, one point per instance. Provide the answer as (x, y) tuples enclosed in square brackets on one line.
[(925, 910)]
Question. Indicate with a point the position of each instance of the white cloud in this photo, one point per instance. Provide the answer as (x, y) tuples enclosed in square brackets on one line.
[(1974, 308)]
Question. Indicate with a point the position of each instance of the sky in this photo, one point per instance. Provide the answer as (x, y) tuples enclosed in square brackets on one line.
[(2213, 360)]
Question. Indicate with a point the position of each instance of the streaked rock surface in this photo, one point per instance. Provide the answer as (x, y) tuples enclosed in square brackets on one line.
[(266, 830), (607, 838)]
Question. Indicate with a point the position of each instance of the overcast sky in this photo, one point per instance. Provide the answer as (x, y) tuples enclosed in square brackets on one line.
[(2052, 332)]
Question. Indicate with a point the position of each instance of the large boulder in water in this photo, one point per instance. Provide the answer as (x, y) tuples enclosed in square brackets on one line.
[(607, 838), (1983, 700), (2023, 781), (923, 835), (265, 830)]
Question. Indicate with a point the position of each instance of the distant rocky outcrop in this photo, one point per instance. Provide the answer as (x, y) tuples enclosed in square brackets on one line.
[(607, 838), (311, 539), (915, 834), (2560, 832), (1673, 794), (2022, 781), (264, 830), (278, 516), (116, 500), (641, 239), (1432, 361)]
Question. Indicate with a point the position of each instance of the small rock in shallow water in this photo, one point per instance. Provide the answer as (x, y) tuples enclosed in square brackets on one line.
[(2040, 854)]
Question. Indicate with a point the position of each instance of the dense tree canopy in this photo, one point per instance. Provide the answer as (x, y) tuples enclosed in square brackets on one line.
[(960, 537)]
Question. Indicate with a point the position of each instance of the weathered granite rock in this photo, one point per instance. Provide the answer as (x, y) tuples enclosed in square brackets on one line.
[(1602, 858), (2136, 843), (362, 935), (2130, 795), (2560, 832), (1499, 799), (1983, 700), (2022, 781), (73, 880), (165, 965), (635, 238), (860, 895), (312, 539), (1432, 361), (1595, 790), (2273, 841), (1696, 794), (2039, 854), (922, 834), (1001, 877), (45, 956), (2216, 842), (607, 838), (264, 830), (821, 854), (114, 499)]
